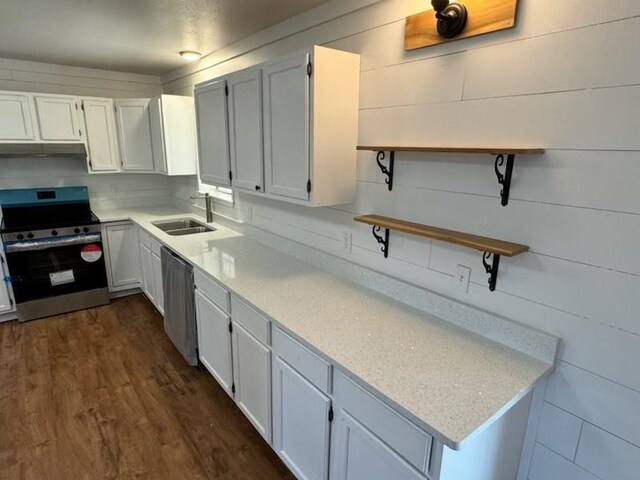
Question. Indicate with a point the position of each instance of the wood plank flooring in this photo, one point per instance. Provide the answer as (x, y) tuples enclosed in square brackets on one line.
[(103, 394)]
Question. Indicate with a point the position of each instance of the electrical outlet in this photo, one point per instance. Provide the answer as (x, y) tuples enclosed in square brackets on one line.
[(346, 241), (463, 275)]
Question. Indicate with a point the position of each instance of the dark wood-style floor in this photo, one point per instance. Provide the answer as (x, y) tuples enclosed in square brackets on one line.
[(103, 394)]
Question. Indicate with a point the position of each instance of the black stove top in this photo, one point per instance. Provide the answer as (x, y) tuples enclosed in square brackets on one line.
[(41, 209)]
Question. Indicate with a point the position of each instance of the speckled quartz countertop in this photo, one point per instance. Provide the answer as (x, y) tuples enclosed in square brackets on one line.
[(451, 382)]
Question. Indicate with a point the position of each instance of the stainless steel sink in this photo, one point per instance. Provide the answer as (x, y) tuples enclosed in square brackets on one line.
[(183, 226)]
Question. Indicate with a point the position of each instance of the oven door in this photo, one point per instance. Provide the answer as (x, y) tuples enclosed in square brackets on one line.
[(56, 266)]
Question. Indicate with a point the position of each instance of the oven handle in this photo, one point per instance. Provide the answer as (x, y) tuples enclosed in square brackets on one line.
[(32, 246)]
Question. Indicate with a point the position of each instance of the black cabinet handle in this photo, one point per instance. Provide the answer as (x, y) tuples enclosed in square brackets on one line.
[(258, 187)]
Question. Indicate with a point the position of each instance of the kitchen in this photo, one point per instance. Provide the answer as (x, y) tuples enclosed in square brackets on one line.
[(224, 316)]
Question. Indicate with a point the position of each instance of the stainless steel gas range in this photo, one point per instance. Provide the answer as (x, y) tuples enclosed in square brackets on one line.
[(54, 251)]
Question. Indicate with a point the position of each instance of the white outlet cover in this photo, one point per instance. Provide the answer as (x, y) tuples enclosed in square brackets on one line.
[(463, 276)]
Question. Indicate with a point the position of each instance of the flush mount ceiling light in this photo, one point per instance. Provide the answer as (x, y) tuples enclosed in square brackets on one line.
[(452, 17), (190, 55)]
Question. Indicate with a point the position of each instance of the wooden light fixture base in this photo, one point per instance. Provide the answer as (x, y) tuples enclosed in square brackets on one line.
[(484, 16)]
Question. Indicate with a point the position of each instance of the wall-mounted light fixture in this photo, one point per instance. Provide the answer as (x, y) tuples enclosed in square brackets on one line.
[(452, 17), (458, 19)]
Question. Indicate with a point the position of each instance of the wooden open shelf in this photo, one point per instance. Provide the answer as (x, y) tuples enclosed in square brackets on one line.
[(480, 150), (490, 246), (504, 178)]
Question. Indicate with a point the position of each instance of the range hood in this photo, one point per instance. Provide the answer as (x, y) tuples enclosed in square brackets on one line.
[(66, 150)]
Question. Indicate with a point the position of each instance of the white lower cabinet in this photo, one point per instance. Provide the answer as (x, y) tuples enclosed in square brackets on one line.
[(252, 379), (122, 255), (148, 286), (156, 269), (214, 341), (371, 441), (302, 411), (325, 425), (362, 455)]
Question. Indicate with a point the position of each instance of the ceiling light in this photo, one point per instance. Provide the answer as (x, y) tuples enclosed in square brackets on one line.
[(190, 55)]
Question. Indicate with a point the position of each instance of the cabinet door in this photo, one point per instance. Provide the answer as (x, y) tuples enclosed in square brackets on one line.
[(134, 133), (245, 130), (213, 133), (123, 256), (286, 127), (102, 140), (6, 302), (147, 273), (157, 135), (156, 266), (58, 118), (300, 423), (361, 454), (15, 118), (252, 379), (214, 341)]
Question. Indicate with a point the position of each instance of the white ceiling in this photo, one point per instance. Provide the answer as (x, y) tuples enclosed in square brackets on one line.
[(142, 36)]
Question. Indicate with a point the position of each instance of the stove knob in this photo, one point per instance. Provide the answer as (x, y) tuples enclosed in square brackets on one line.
[(30, 235), (54, 233), (20, 236), (85, 229), (76, 230)]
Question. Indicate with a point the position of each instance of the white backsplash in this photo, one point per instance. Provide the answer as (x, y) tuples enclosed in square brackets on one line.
[(105, 190)]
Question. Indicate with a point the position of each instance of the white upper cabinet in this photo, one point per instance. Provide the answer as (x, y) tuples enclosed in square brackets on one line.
[(157, 135), (173, 134), (297, 142), (58, 118), (286, 127), (245, 129), (102, 141), (213, 133), (16, 123), (311, 126), (134, 133)]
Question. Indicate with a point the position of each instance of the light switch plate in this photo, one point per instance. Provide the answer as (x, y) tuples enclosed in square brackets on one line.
[(463, 276)]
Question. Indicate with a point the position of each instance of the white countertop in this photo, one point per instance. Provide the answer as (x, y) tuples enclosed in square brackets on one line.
[(451, 382)]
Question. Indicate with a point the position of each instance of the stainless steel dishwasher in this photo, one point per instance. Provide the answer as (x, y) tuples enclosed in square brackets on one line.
[(179, 305)]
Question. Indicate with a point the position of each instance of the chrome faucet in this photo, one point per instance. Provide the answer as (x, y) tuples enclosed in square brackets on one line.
[(208, 200)]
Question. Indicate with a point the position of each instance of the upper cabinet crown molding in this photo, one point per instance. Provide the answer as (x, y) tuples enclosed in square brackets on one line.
[(286, 129)]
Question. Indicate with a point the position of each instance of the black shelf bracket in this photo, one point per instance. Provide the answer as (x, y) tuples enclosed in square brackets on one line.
[(388, 172), (491, 268), (504, 179), (384, 241)]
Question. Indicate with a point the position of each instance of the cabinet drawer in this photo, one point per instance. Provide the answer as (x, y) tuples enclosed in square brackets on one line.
[(212, 290), (145, 238), (155, 246), (402, 436), (310, 365), (252, 321)]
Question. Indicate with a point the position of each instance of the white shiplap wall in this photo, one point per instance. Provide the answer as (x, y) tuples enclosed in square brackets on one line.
[(106, 190), (568, 79)]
